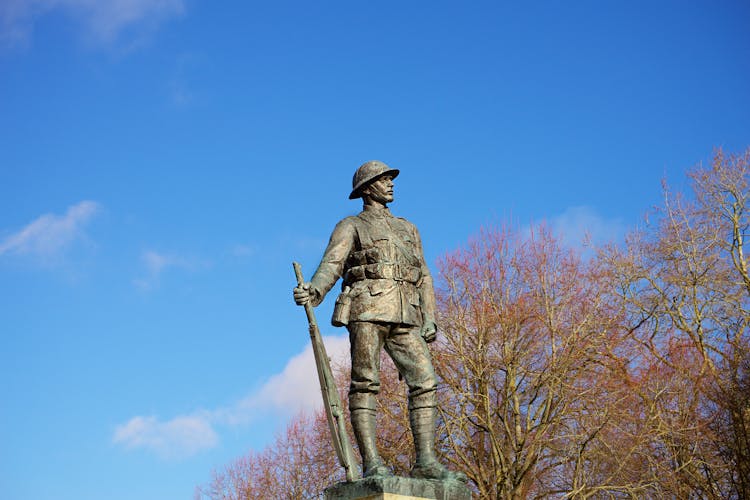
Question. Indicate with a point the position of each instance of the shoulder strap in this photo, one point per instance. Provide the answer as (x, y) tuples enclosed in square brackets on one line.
[(363, 232)]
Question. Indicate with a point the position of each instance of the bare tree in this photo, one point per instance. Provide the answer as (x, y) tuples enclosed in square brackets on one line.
[(298, 465), (684, 284), (530, 363)]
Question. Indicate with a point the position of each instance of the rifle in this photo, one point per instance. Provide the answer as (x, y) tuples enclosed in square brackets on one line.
[(331, 399)]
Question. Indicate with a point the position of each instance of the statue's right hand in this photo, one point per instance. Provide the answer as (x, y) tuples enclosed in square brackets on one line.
[(302, 294)]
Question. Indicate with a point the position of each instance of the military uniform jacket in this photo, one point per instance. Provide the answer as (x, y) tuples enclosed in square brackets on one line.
[(380, 258)]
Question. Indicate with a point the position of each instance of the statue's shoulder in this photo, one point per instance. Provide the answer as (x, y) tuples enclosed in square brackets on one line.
[(406, 223), (350, 220), (348, 223)]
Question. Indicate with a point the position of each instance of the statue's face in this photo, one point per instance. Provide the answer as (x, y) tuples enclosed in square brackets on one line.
[(381, 189)]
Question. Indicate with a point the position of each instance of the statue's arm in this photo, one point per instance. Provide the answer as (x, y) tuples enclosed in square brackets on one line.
[(332, 264), (426, 288)]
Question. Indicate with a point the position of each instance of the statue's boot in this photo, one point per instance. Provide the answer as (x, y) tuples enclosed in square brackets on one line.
[(427, 466), (363, 423)]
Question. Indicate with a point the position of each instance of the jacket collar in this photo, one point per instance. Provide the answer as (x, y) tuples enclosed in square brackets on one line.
[(372, 212)]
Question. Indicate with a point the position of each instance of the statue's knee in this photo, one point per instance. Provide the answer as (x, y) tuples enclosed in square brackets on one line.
[(362, 385), (422, 382), (426, 399), (362, 401)]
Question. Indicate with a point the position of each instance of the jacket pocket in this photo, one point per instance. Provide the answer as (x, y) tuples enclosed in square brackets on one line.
[(377, 287), (412, 295)]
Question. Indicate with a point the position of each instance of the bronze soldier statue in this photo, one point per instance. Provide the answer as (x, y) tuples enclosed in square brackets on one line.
[(388, 301)]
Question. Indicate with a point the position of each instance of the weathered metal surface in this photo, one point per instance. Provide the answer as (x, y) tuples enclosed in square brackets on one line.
[(387, 302)]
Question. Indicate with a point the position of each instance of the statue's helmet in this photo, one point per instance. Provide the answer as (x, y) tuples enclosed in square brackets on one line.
[(368, 172)]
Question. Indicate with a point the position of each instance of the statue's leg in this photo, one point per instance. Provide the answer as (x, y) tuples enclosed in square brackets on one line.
[(411, 356), (366, 340)]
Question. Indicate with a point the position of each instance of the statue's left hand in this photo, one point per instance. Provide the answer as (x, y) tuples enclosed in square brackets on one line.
[(429, 331)]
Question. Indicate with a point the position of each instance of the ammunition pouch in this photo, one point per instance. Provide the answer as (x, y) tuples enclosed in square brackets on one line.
[(342, 309)]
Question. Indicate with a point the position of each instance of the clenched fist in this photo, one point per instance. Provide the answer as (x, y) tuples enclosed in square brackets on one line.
[(302, 294)]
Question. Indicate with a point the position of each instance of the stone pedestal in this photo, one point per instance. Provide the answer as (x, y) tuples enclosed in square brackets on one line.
[(398, 488)]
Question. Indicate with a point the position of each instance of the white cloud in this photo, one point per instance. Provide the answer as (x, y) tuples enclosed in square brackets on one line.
[(180, 90), (241, 250), (297, 387), (48, 236), (180, 437), (581, 225), (294, 389), (157, 263), (105, 20)]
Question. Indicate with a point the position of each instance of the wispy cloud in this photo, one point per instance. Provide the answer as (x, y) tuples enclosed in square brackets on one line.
[(243, 250), (49, 236), (104, 20), (180, 437), (294, 389), (180, 88), (582, 225), (156, 263)]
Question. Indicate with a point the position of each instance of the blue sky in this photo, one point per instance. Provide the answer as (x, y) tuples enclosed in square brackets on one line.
[(162, 162)]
